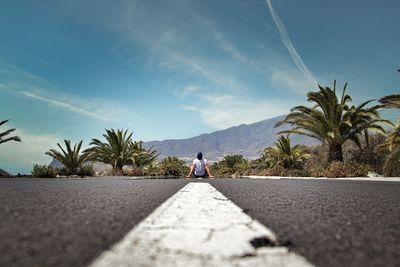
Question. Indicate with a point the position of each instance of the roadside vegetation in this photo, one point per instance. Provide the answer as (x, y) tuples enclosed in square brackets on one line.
[(230, 165), (118, 150), (71, 158), (391, 166), (333, 121), (354, 141)]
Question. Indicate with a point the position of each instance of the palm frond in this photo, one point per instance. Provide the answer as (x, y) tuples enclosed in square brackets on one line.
[(7, 132)]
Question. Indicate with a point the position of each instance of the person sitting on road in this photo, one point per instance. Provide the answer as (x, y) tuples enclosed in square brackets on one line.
[(200, 168)]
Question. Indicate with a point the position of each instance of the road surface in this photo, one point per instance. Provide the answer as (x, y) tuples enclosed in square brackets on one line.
[(71, 222)]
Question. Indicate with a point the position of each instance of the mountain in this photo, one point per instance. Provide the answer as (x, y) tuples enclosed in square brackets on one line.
[(247, 140)]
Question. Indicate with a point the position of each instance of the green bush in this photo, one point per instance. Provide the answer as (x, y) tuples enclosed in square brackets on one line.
[(86, 170), (231, 165), (374, 153), (173, 166), (152, 170), (391, 167), (44, 171)]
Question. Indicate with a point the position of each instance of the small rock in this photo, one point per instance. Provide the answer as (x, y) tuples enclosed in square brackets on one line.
[(373, 174)]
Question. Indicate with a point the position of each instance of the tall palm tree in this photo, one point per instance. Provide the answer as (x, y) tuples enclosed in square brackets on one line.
[(284, 154), (70, 157), (117, 151), (390, 167), (333, 121), (142, 156), (4, 134)]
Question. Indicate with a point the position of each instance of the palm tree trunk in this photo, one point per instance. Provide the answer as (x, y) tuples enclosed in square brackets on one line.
[(117, 170), (335, 153)]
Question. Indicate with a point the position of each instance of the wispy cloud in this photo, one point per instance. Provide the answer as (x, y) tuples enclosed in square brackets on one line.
[(73, 107), (290, 79), (213, 71), (222, 111), (187, 91), (288, 43), (168, 42), (25, 84)]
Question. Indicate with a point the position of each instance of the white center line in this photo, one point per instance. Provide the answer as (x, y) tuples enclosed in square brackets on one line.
[(198, 226)]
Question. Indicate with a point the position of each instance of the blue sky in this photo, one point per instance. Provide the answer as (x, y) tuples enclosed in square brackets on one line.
[(179, 68)]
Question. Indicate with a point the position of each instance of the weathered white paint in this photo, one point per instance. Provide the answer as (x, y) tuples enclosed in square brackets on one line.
[(198, 226)]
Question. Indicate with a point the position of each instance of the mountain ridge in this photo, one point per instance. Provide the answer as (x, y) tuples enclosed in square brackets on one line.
[(248, 140)]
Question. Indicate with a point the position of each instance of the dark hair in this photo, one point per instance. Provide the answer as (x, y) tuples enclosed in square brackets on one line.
[(199, 156)]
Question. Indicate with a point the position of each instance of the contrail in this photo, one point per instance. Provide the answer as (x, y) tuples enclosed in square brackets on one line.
[(286, 41)]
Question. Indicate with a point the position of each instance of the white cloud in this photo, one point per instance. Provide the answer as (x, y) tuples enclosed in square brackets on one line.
[(30, 151), (222, 111)]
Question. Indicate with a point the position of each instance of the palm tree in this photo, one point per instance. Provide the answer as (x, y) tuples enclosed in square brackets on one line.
[(173, 166), (142, 156), (117, 151), (70, 157), (232, 164), (284, 154), (3, 134), (333, 121), (390, 167)]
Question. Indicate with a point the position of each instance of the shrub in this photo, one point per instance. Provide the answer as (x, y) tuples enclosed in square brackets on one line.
[(173, 166), (86, 170), (374, 153), (44, 171), (344, 169), (152, 170), (391, 167), (232, 165), (258, 165), (133, 171)]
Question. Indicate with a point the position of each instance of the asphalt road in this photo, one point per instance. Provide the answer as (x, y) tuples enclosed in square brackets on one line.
[(50, 222), (331, 223), (61, 222)]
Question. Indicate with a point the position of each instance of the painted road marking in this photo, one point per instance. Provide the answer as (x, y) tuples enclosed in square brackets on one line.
[(198, 226)]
